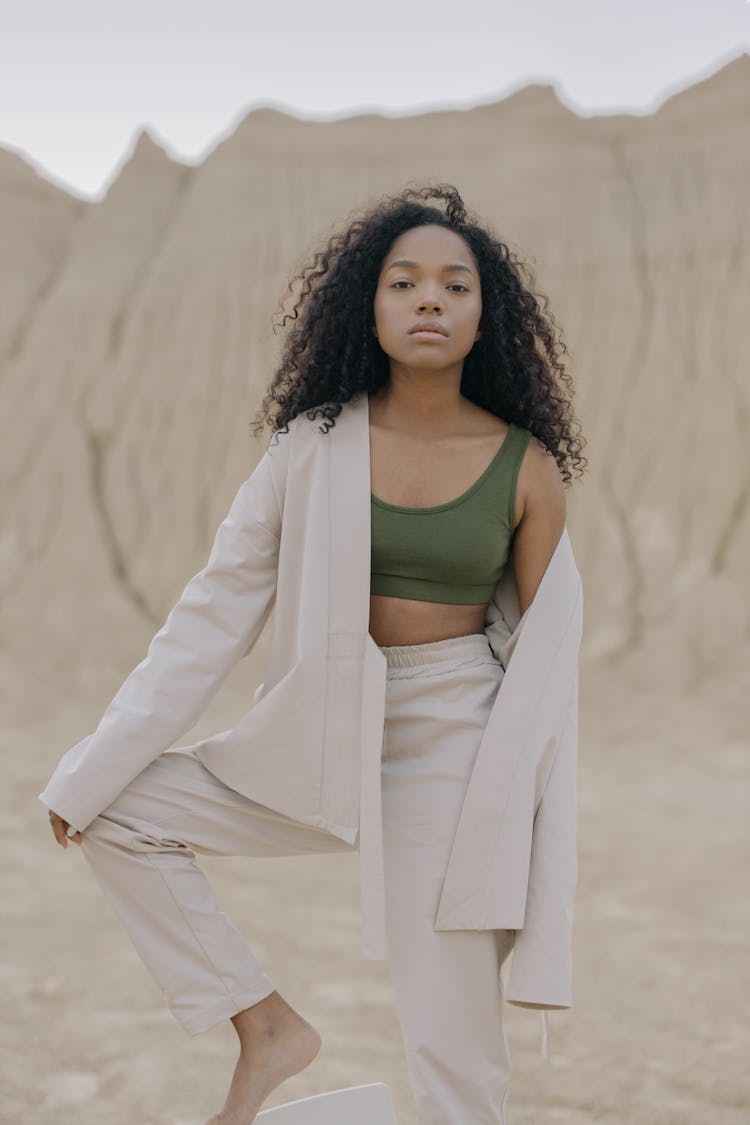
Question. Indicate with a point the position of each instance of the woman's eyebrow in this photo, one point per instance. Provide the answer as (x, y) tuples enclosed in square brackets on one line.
[(415, 265)]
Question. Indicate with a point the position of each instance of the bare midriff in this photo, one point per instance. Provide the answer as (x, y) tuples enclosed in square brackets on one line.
[(401, 621)]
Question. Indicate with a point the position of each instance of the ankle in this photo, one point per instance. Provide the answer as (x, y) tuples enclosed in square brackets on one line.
[(264, 1018)]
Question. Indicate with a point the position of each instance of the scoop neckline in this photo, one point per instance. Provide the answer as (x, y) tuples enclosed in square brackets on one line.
[(449, 503)]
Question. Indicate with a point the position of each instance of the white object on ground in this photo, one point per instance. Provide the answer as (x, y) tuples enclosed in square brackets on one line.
[(366, 1105)]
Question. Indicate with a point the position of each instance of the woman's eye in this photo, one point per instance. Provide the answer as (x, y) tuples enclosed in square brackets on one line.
[(452, 286)]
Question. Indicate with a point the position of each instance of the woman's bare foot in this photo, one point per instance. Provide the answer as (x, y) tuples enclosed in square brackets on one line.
[(275, 1043)]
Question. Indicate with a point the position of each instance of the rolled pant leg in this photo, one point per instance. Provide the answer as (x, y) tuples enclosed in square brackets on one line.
[(447, 984), (142, 852)]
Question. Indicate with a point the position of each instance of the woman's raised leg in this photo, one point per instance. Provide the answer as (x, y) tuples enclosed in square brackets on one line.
[(141, 849)]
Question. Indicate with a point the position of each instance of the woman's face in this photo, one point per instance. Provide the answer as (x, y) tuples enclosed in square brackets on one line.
[(442, 284)]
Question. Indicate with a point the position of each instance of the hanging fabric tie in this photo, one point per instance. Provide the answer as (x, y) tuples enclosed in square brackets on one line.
[(545, 1035)]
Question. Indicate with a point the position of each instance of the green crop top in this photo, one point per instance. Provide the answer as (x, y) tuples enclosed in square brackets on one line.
[(454, 552)]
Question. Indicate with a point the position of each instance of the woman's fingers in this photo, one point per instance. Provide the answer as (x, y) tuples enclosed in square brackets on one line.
[(63, 831), (58, 826)]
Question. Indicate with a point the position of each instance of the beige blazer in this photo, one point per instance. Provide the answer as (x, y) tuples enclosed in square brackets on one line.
[(297, 537)]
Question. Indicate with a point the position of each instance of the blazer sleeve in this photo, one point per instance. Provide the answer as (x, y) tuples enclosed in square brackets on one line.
[(217, 620), (541, 965)]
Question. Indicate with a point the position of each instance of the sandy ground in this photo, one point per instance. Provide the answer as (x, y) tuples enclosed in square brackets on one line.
[(658, 1034)]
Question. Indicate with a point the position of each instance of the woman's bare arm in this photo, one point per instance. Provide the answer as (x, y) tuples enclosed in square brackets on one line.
[(541, 488)]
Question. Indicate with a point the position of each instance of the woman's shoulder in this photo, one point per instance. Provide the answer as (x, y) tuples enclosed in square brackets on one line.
[(320, 419), (291, 433)]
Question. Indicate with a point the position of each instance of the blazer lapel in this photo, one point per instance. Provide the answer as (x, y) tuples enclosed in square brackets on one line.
[(349, 624), (349, 571)]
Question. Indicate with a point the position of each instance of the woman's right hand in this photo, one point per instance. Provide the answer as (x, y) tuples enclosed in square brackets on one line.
[(59, 829)]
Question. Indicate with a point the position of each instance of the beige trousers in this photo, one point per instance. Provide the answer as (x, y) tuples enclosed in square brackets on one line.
[(448, 984)]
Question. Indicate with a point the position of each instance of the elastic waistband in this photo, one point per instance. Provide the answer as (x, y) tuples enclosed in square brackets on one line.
[(450, 650)]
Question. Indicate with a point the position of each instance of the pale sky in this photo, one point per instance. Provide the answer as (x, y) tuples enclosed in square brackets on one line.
[(79, 79)]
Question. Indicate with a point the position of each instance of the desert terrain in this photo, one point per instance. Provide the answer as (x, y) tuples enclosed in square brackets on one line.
[(135, 336)]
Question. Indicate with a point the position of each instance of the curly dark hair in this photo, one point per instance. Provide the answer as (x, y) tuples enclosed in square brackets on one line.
[(515, 370)]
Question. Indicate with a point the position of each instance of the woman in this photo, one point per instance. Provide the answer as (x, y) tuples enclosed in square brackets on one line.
[(422, 317)]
